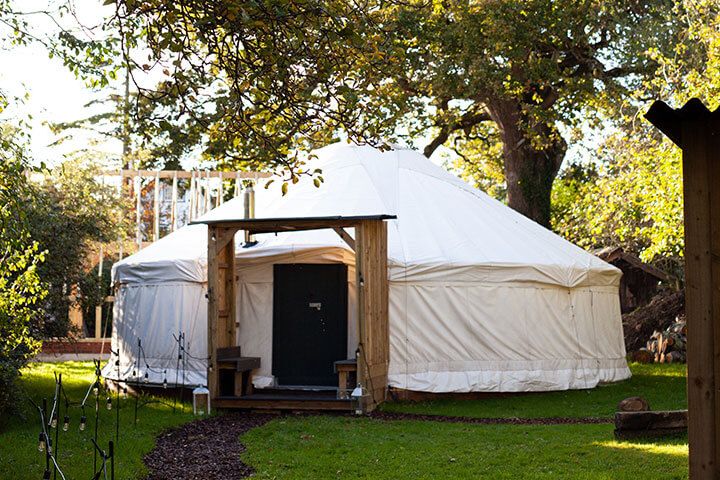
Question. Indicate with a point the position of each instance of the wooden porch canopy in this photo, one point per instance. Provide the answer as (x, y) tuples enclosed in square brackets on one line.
[(370, 246)]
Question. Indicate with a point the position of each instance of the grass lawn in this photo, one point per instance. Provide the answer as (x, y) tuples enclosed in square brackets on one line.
[(662, 385), (349, 447), (346, 447), (20, 458)]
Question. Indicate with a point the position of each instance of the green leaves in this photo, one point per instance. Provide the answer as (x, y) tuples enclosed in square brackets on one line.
[(21, 289), (633, 201)]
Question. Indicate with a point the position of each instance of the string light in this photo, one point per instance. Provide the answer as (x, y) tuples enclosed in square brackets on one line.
[(66, 423), (108, 403), (165, 384), (41, 442), (83, 421), (96, 388), (53, 421), (124, 392), (145, 380)]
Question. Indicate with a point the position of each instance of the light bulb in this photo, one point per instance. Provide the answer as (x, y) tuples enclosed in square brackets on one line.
[(146, 378), (66, 423), (83, 419), (96, 388), (124, 392), (108, 403), (165, 383), (41, 442), (53, 421), (134, 373)]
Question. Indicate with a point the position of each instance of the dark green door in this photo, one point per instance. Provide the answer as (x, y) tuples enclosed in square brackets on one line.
[(309, 323)]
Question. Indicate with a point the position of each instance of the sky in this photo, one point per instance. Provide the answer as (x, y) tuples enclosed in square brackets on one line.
[(53, 93)]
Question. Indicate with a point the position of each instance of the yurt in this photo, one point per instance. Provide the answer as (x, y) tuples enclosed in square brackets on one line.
[(481, 299)]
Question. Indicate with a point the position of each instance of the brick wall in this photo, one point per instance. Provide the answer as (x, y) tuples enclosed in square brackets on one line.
[(60, 346)]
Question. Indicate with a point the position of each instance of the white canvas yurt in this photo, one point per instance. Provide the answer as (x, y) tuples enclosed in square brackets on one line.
[(482, 299)]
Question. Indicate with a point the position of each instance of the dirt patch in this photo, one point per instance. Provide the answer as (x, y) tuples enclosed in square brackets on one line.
[(659, 314), (490, 421), (206, 449)]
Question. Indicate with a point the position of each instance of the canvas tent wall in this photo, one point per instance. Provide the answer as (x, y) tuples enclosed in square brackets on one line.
[(481, 298)]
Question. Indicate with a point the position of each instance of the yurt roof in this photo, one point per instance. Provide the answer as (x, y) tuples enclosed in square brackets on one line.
[(445, 228)]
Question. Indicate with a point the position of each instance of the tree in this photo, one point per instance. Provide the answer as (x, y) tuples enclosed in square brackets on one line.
[(69, 213), (269, 76), (634, 201), (21, 289)]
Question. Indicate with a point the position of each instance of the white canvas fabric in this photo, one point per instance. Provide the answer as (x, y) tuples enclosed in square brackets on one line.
[(481, 298)]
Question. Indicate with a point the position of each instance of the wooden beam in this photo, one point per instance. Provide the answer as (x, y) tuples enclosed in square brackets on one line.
[(271, 225), (346, 237)]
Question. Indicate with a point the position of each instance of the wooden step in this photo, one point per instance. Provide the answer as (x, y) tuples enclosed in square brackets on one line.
[(284, 402)]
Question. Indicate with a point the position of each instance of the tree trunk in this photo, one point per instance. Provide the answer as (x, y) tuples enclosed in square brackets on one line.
[(529, 171)]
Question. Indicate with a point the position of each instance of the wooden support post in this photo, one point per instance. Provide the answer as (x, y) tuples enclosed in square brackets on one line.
[(191, 210), (138, 212), (207, 192), (697, 131), (238, 184), (120, 218), (221, 298), (173, 204), (156, 208), (373, 331)]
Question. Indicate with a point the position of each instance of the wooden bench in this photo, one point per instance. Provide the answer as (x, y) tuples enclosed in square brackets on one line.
[(344, 368), (235, 371)]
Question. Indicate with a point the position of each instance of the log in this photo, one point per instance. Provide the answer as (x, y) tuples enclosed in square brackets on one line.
[(642, 356), (634, 404), (650, 424)]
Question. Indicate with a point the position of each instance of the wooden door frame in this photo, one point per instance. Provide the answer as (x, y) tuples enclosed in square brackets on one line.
[(372, 288)]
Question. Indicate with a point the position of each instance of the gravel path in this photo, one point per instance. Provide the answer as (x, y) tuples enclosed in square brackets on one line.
[(206, 449)]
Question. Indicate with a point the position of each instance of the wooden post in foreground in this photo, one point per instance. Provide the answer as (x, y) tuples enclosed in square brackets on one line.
[(697, 131)]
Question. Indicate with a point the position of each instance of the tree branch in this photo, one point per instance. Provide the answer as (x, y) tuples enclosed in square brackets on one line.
[(468, 120)]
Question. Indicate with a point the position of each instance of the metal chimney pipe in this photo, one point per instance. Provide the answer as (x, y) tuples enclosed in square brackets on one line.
[(249, 204)]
